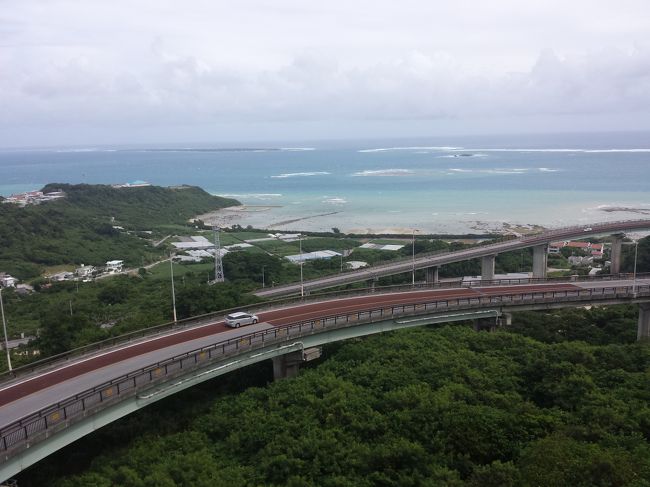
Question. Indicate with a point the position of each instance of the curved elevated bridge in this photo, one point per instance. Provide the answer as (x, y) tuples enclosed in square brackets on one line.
[(45, 408), (432, 261)]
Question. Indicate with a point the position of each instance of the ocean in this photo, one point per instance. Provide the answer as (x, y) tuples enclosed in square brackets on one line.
[(433, 185)]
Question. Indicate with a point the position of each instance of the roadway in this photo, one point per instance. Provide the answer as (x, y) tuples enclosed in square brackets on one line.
[(24, 396), (438, 259)]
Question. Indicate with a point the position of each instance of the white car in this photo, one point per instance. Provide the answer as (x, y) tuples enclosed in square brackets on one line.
[(235, 320)]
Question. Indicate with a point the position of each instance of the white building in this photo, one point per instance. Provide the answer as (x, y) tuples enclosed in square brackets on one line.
[(114, 266), (62, 276), (372, 246), (319, 254), (85, 271), (7, 281)]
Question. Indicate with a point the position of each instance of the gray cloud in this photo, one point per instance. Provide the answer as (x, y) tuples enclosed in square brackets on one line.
[(151, 67)]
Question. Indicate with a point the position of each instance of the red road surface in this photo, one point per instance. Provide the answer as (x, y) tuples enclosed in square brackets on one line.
[(277, 317)]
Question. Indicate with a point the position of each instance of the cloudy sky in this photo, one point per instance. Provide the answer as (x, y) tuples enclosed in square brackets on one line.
[(148, 71)]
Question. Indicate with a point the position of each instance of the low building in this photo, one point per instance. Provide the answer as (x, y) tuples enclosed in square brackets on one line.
[(85, 271), (62, 276), (134, 184), (372, 246), (201, 254), (24, 289), (356, 264), (197, 242), (319, 254), (114, 266), (594, 249), (7, 281), (34, 197), (578, 260)]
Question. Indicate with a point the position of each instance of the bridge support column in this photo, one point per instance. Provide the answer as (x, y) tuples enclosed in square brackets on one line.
[(615, 256), (487, 324), (487, 267), (287, 366), (432, 275), (505, 319), (643, 331), (540, 259)]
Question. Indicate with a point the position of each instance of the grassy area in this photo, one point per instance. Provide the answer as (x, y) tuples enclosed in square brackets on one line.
[(279, 247), (559, 273), (390, 241), (163, 271), (248, 235), (55, 269)]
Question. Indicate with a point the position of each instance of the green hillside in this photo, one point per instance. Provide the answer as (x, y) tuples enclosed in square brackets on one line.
[(80, 228)]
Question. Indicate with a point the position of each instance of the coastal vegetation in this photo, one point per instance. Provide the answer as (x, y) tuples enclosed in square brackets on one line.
[(559, 398), (94, 224), (434, 406)]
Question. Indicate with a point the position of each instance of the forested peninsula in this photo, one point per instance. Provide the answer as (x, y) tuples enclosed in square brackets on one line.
[(95, 223)]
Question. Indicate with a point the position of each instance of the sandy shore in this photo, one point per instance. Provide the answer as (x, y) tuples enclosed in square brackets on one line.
[(245, 215)]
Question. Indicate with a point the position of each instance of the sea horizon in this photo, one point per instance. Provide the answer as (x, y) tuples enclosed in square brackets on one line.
[(434, 185)]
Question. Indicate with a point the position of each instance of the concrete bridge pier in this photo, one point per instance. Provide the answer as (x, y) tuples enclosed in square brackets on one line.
[(432, 275), (486, 324), (643, 331), (615, 256), (287, 366), (505, 319), (487, 267), (540, 261), (372, 283)]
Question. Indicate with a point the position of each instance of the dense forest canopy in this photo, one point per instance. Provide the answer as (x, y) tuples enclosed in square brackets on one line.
[(432, 406)]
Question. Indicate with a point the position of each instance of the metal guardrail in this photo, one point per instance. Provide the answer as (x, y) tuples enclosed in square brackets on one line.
[(200, 320), (40, 425), (470, 253), (206, 318)]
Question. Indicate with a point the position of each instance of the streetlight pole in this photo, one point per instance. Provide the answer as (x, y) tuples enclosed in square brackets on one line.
[(263, 283), (636, 252), (4, 327), (302, 285), (413, 260), (171, 267)]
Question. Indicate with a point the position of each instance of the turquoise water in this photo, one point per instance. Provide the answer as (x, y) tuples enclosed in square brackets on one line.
[(429, 185)]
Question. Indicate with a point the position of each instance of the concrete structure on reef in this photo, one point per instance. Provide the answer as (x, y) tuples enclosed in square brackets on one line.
[(47, 406)]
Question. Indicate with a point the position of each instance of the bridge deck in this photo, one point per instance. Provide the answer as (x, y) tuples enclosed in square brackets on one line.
[(63, 400), (442, 258)]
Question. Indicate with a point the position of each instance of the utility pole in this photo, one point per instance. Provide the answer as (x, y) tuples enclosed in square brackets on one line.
[(218, 265), (413, 260), (4, 327), (263, 283), (636, 252), (302, 286), (171, 267)]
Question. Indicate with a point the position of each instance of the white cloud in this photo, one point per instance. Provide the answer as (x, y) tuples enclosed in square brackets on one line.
[(152, 66)]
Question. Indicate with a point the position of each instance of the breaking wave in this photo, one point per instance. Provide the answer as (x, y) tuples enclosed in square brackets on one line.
[(428, 148), (334, 200), (497, 170), (300, 174), (385, 172)]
